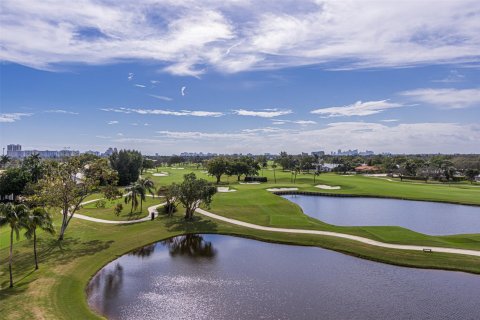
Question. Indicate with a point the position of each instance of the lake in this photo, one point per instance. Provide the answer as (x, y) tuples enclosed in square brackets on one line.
[(225, 277), (426, 217)]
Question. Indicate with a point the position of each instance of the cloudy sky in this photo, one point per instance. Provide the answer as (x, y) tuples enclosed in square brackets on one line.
[(241, 76)]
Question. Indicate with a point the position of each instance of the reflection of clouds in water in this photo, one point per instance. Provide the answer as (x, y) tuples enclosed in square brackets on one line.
[(184, 297)]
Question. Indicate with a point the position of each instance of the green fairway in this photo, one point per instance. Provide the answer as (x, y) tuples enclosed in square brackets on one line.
[(57, 290), (107, 213)]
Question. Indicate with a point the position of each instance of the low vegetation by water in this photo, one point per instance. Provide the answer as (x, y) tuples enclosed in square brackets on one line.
[(66, 266)]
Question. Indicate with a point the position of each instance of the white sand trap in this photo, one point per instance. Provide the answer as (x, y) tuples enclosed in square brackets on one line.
[(324, 186), (376, 175), (161, 174), (347, 175), (282, 189), (225, 189), (250, 182)]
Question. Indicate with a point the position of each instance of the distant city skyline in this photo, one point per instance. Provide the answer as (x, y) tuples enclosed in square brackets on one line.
[(241, 77)]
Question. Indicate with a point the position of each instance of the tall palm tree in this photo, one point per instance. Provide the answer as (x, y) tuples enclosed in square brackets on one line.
[(132, 196), (14, 216), (274, 166), (145, 185), (38, 218)]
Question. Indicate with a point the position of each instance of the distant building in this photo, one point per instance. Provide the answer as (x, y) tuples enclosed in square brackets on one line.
[(15, 151), (318, 153), (109, 152)]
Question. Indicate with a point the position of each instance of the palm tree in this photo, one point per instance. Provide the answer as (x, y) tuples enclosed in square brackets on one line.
[(38, 218), (14, 216), (4, 160), (132, 196), (274, 166), (144, 186)]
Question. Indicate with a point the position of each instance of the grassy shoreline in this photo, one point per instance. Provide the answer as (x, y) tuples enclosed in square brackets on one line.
[(57, 290)]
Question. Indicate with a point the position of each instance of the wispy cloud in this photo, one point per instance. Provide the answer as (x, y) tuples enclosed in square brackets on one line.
[(446, 98), (12, 117), (192, 37), (300, 122), (182, 90), (112, 122), (359, 108), (166, 112), (454, 76), (164, 98), (61, 111), (130, 76), (139, 85), (389, 120), (264, 113), (103, 137)]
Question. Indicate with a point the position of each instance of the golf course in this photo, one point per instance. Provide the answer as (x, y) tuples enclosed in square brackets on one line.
[(58, 289)]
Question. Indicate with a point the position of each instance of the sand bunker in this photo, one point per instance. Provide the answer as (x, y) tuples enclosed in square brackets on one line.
[(324, 186), (282, 189), (161, 174), (250, 182), (225, 189)]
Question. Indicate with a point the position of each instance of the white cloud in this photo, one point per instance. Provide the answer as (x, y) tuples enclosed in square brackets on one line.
[(265, 113), (61, 111), (396, 138), (359, 108), (164, 98), (112, 122), (454, 76), (300, 122), (12, 117), (103, 137), (182, 91), (130, 76), (139, 85), (166, 112), (389, 120), (446, 98), (192, 37)]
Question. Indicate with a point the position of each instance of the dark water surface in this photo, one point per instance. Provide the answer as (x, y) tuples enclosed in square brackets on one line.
[(223, 277), (426, 217)]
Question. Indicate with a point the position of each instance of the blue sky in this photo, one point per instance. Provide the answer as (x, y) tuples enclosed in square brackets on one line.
[(164, 77)]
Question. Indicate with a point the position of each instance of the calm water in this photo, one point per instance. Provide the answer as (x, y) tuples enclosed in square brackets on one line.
[(223, 277), (421, 216)]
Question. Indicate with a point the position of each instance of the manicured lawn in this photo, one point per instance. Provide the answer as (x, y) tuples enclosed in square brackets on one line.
[(57, 290), (107, 213)]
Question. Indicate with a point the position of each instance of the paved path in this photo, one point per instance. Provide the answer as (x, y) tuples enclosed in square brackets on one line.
[(147, 218), (285, 230), (340, 235)]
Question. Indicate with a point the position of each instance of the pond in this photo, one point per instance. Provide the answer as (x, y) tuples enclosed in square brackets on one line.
[(426, 217), (224, 277)]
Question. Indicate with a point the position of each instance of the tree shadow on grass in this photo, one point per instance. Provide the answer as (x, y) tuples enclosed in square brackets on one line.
[(68, 249), (196, 225)]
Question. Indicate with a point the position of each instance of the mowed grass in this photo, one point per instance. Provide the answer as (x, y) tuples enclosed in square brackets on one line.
[(57, 290), (126, 214)]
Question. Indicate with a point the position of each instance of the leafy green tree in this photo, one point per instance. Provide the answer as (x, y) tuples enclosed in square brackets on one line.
[(14, 216), (13, 181), (217, 167), (33, 167), (470, 174), (38, 218), (170, 193), (65, 185), (128, 164), (4, 160), (147, 164), (192, 192)]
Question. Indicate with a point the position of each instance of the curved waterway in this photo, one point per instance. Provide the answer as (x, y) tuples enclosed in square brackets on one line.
[(432, 218), (224, 277)]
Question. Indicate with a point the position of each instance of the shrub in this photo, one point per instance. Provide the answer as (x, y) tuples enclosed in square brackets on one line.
[(255, 179), (100, 204), (118, 209)]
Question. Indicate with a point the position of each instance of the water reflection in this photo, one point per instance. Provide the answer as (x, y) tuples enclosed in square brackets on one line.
[(191, 245), (143, 252), (106, 285)]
